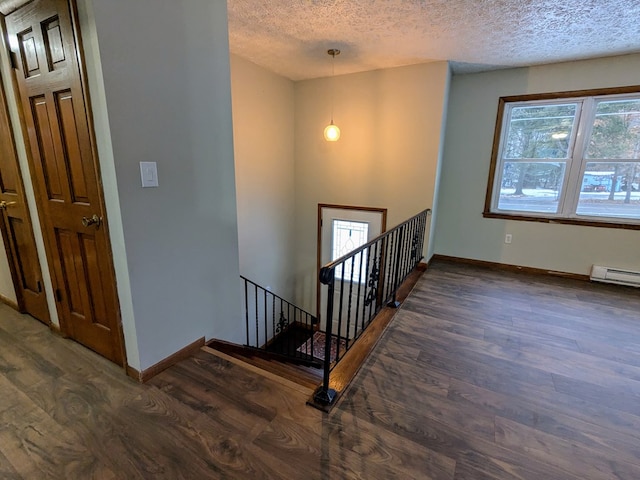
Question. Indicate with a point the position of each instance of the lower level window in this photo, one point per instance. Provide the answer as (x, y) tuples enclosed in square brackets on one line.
[(574, 159), (348, 235)]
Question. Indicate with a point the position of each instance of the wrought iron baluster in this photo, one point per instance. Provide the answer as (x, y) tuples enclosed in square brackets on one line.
[(371, 299), (386, 268), (286, 328), (266, 316), (313, 332), (246, 309), (396, 271), (392, 263), (350, 301), (273, 320), (257, 322), (423, 230), (340, 300), (358, 296)]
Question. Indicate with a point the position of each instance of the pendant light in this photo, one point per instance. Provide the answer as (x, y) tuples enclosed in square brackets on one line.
[(331, 131)]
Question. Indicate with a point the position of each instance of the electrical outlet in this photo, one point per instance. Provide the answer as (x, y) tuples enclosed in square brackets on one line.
[(507, 238)]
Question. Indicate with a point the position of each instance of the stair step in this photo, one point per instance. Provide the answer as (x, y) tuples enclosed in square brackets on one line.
[(272, 376), (302, 375)]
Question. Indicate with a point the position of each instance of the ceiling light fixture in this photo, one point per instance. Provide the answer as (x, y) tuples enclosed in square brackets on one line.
[(332, 132)]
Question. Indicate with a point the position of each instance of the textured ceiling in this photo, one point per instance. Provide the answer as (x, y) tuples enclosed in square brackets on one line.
[(291, 37)]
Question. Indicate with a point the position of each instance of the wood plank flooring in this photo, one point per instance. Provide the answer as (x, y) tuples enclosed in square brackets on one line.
[(482, 375)]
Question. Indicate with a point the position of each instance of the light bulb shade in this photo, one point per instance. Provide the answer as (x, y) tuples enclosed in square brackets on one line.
[(331, 133)]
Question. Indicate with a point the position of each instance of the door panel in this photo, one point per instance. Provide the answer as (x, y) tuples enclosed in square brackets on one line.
[(42, 129), (16, 228), (65, 173), (8, 177)]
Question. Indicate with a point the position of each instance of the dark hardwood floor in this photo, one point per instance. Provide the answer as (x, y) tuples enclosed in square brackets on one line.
[(481, 375)]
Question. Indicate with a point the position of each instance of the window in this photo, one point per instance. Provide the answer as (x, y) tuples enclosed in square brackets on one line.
[(574, 158), (347, 236)]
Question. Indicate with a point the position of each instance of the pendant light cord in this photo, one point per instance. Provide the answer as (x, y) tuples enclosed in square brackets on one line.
[(333, 52), (333, 82)]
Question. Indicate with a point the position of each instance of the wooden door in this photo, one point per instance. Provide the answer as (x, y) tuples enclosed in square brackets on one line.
[(15, 223), (64, 169)]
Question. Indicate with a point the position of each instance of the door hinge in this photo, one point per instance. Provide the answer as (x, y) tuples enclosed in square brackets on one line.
[(13, 57), (39, 287), (58, 295)]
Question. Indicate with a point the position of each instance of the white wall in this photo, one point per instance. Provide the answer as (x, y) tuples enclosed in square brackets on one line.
[(165, 73), (98, 99), (391, 122), (461, 231), (263, 129)]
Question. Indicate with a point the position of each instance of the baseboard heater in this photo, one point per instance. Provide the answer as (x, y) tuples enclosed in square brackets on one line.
[(615, 275)]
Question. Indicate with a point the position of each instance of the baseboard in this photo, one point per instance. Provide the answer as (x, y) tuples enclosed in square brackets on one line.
[(154, 370), (9, 302), (508, 267)]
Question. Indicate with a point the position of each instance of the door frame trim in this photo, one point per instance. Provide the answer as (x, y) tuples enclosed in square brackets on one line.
[(383, 228)]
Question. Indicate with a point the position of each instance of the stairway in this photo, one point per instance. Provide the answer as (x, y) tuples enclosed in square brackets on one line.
[(306, 376)]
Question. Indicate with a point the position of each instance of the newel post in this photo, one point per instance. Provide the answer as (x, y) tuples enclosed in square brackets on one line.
[(325, 395)]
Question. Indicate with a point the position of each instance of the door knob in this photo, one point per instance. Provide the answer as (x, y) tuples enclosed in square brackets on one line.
[(4, 205), (93, 220)]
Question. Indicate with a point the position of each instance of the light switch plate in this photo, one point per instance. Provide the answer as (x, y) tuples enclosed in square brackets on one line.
[(149, 174)]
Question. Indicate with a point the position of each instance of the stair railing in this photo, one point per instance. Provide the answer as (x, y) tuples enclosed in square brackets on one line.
[(360, 284), (277, 326)]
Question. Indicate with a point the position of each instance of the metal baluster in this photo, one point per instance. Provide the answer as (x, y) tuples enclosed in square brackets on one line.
[(340, 300), (246, 309), (394, 303), (257, 322), (273, 316), (350, 301), (424, 232), (288, 345), (266, 317), (312, 335), (358, 295), (386, 271)]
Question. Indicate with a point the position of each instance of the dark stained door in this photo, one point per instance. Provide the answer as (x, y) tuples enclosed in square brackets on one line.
[(15, 224), (64, 169)]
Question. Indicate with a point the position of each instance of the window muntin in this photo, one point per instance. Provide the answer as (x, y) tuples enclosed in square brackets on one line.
[(569, 158)]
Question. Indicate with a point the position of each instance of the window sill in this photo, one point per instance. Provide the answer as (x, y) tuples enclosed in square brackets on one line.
[(564, 221)]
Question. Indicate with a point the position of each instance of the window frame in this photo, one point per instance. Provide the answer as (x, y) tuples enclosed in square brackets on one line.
[(573, 177)]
